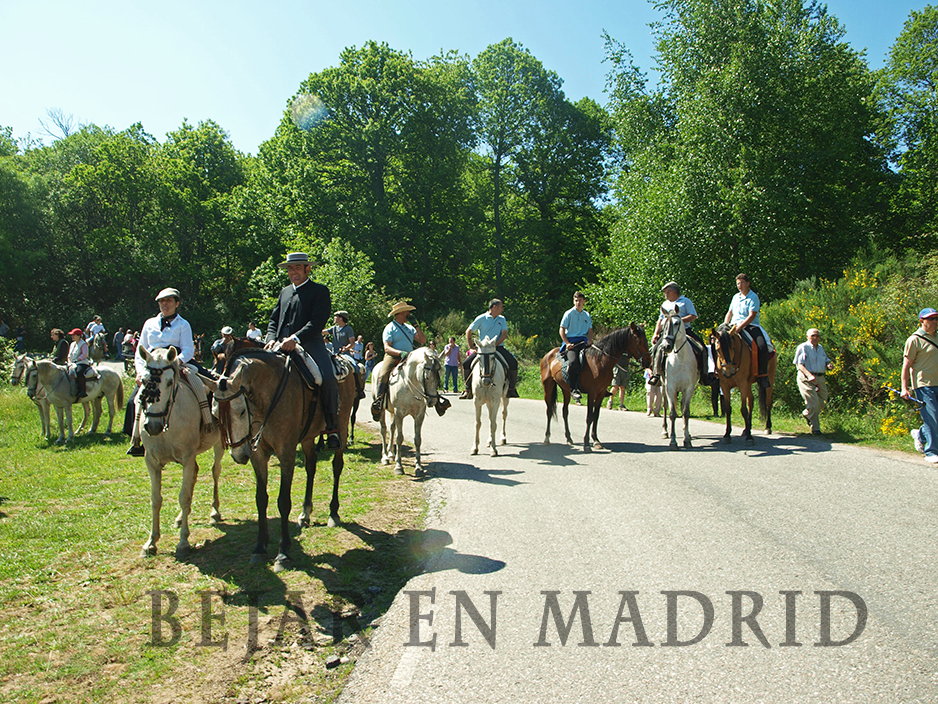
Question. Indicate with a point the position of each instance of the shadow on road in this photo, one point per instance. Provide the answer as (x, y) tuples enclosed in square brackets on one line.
[(468, 472)]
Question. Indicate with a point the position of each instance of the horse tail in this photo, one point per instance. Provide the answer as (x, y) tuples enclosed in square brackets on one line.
[(552, 402), (763, 393)]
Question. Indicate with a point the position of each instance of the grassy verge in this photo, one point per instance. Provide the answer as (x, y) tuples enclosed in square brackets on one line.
[(78, 621), (884, 427)]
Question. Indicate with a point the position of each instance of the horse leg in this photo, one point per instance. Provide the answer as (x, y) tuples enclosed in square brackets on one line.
[(260, 463), (386, 439), (664, 414), (190, 471), (686, 404), (284, 504), (68, 419), (311, 457), (397, 442), (418, 425), (338, 464), (550, 392), (746, 410), (98, 410), (478, 403), (728, 406), (59, 411), (504, 404), (492, 406), (672, 415), (566, 411), (111, 403), (597, 403), (219, 451), (156, 503)]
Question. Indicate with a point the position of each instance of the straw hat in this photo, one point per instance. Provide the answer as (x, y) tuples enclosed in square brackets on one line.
[(400, 307), (296, 258)]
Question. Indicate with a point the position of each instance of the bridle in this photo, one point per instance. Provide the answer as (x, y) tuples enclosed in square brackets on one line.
[(671, 335), (430, 366), (224, 412), (725, 348), (152, 392)]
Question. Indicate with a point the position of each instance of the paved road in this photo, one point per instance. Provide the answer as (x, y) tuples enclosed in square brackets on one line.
[(792, 514)]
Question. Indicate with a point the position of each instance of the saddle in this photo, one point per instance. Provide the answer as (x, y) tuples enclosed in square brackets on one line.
[(310, 372), (476, 358), (570, 371), (747, 339)]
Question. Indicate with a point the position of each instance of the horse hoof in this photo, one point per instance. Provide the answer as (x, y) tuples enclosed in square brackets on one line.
[(687, 444), (547, 441), (215, 518), (726, 440), (182, 551), (664, 434), (474, 451), (302, 522), (587, 448), (258, 558), (673, 445), (282, 563), (504, 441), (148, 551), (399, 471), (385, 460), (750, 441), (493, 453), (419, 472), (333, 522), (598, 446)]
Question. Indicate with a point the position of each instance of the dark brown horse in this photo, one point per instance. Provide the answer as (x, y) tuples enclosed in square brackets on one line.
[(734, 369), (280, 413), (595, 377)]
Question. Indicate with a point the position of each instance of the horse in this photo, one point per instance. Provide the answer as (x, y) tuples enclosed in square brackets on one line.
[(490, 389), (170, 430), (412, 389), (595, 377), (734, 362), (680, 376), (43, 374), (98, 347), (38, 394), (285, 413)]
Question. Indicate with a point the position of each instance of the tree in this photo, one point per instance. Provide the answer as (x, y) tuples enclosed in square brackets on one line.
[(760, 159), (908, 89)]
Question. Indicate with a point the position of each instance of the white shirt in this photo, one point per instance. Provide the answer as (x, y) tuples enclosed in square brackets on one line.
[(178, 334)]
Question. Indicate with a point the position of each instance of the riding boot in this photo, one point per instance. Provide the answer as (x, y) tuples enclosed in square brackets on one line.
[(82, 385), (512, 383), (359, 385), (377, 407), (136, 447), (332, 432), (467, 391)]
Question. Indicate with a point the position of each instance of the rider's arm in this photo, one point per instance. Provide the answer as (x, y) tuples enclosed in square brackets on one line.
[(419, 337), (563, 335)]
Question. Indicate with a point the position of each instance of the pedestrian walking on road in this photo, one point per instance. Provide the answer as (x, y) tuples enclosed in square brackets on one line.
[(812, 363), (920, 367)]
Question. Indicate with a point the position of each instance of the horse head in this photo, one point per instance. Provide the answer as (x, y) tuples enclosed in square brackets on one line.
[(427, 372), (639, 345), (159, 385), (19, 368), (230, 408), (724, 340), (487, 361), (674, 328)]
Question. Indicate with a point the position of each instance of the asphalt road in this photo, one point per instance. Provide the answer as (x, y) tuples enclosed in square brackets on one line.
[(542, 523)]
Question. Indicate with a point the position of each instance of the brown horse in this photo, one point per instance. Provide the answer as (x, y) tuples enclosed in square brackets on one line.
[(280, 413), (734, 363), (595, 377)]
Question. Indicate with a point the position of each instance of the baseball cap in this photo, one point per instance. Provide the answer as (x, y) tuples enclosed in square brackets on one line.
[(927, 313)]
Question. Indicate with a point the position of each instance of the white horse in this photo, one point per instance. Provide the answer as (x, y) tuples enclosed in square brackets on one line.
[(97, 348), (23, 365), (490, 389), (412, 388), (53, 379), (680, 376), (171, 432)]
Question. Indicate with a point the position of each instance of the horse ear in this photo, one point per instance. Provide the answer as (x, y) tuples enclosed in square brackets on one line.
[(210, 384), (142, 351), (171, 355)]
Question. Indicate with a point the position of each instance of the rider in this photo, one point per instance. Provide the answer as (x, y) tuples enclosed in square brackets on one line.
[(576, 331), (218, 348), (79, 360), (298, 318), (343, 342), (60, 348), (168, 329), (685, 307), (491, 324), (744, 314), (399, 337)]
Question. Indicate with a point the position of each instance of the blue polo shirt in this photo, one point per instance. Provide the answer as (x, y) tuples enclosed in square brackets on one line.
[(487, 326)]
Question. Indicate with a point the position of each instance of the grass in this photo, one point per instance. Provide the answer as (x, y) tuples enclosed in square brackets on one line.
[(859, 426), (77, 623)]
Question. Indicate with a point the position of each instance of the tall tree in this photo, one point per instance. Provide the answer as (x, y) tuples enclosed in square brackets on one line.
[(761, 158), (908, 88)]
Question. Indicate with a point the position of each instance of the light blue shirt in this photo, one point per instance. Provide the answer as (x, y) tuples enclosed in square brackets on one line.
[(487, 326), (741, 306), (400, 337), (577, 323), (684, 307), (814, 359)]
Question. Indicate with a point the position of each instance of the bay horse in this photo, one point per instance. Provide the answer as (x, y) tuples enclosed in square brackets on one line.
[(413, 387), (595, 377), (680, 376), (53, 381), (171, 431), (490, 389), (279, 413), (734, 369)]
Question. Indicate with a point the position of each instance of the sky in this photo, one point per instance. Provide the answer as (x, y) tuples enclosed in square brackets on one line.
[(116, 62)]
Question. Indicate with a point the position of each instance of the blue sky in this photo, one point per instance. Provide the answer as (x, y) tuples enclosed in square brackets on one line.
[(116, 62)]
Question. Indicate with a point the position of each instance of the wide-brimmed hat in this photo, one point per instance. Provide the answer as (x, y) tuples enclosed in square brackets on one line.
[(75, 331), (342, 313), (671, 284), (295, 258), (400, 307), (168, 293), (927, 313), (226, 330)]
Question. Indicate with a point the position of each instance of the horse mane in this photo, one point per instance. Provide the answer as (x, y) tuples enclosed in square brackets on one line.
[(242, 347), (615, 340)]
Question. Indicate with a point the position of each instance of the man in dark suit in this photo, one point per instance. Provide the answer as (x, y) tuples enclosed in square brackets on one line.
[(299, 317)]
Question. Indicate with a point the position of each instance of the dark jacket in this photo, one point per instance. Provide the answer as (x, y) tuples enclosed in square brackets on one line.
[(303, 313), (60, 351)]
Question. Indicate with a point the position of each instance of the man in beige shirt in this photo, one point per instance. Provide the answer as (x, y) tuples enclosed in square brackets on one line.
[(920, 366)]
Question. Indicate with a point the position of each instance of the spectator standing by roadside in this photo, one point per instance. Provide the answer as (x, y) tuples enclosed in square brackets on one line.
[(452, 358), (812, 363), (118, 342), (253, 333), (920, 366)]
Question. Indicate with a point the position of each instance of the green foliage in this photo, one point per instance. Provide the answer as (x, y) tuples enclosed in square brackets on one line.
[(864, 319)]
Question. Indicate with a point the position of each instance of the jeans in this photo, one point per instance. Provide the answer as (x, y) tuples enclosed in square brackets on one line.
[(929, 412), (454, 371)]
